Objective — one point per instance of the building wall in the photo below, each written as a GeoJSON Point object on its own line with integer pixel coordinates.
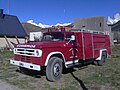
{"type": "Point", "coordinates": [93, 23]}
{"type": "Point", "coordinates": [116, 31]}
{"type": "Point", "coordinates": [5, 45]}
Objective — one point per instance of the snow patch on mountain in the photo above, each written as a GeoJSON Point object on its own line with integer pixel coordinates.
{"type": "Point", "coordinates": [113, 20]}
{"type": "Point", "coordinates": [32, 22]}
{"type": "Point", "coordinates": [64, 24]}
{"type": "Point", "coordinates": [46, 26]}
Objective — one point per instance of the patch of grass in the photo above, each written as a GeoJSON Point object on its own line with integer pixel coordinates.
{"type": "Point", "coordinates": [108, 74]}
{"type": "Point", "coordinates": [9, 74]}
{"type": "Point", "coordinates": [6, 54]}
{"type": "Point", "coordinates": [21, 83]}
{"type": "Point", "coordinates": [71, 87]}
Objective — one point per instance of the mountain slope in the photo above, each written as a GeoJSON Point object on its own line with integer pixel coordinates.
{"type": "Point", "coordinates": [46, 26]}
{"type": "Point", "coordinates": [113, 20]}
{"type": "Point", "coordinates": [32, 28]}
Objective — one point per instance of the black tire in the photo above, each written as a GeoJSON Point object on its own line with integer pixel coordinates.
{"type": "Point", "coordinates": [54, 69]}
{"type": "Point", "coordinates": [103, 59]}
{"type": "Point", "coordinates": [95, 62]}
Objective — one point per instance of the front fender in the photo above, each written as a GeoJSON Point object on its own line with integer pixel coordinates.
{"type": "Point", "coordinates": [51, 54]}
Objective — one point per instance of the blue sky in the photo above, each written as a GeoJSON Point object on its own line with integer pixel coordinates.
{"type": "Point", "coordinates": [60, 11]}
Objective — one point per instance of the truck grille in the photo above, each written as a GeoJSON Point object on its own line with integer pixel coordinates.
{"type": "Point", "coordinates": [25, 58]}
{"type": "Point", "coordinates": [28, 52]}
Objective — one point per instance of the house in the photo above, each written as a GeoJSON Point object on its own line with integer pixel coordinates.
{"type": "Point", "coordinates": [115, 28]}
{"type": "Point", "coordinates": [11, 30]}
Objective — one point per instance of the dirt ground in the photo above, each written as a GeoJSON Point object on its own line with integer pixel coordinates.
{"type": "Point", "coordinates": [6, 86]}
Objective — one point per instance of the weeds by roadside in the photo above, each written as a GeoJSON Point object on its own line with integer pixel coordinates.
{"type": "Point", "coordinates": [5, 54]}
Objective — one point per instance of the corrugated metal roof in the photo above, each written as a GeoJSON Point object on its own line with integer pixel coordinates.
{"type": "Point", "coordinates": [11, 26]}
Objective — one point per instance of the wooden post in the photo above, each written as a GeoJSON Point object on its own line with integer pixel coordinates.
{"type": "Point", "coordinates": [26, 39]}
{"type": "Point", "coordinates": [17, 39]}
{"type": "Point", "coordinates": [7, 41]}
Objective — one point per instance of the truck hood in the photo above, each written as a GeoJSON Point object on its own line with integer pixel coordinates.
{"type": "Point", "coordinates": [45, 44]}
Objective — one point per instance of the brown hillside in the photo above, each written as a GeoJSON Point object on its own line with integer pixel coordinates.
{"type": "Point", "coordinates": [32, 28]}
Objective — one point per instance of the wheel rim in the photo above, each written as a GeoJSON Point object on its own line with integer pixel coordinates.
{"type": "Point", "coordinates": [56, 69]}
{"type": "Point", "coordinates": [103, 58]}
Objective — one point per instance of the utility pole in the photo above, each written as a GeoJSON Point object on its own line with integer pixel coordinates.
{"type": "Point", "coordinates": [64, 15]}
{"type": "Point", "coordinates": [8, 6]}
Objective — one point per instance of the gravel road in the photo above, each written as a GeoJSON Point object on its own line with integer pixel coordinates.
{"type": "Point", "coordinates": [6, 86]}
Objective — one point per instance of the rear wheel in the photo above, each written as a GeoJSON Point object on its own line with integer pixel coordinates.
{"type": "Point", "coordinates": [54, 69]}
{"type": "Point", "coordinates": [103, 59]}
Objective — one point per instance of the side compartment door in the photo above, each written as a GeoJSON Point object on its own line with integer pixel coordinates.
{"type": "Point", "coordinates": [87, 46]}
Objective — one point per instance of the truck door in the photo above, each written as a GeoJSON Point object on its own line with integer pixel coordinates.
{"type": "Point", "coordinates": [69, 48]}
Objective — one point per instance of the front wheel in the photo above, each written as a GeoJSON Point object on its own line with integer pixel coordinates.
{"type": "Point", "coordinates": [54, 69]}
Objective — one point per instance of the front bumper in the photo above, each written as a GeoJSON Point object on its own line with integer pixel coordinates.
{"type": "Point", "coordinates": [26, 65]}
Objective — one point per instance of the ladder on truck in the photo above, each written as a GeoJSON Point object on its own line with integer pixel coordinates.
{"type": "Point", "coordinates": [90, 31]}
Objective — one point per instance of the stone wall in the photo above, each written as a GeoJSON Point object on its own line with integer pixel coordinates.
{"type": "Point", "coordinates": [4, 44]}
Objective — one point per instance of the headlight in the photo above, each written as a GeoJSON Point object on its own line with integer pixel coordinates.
{"type": "Point", "coordinates": [38, 53]}
{"type": "Point", "coordinates": [14, 50]}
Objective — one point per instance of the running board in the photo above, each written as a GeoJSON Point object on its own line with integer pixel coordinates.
{"type": "Point", "coordinates": [73, 65]}
{"type": "Point", "coordinates": [80, 63]}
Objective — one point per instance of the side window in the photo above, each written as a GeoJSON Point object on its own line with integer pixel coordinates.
{"type": "Point", "coordinates": [48, 37]}
{"type": "Point", "coordinates": [100, 24]}
{"type": "Point", "coordinates": [68, 37]}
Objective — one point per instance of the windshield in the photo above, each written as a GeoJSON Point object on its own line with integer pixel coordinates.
{"type": "Point", "coordinates": [53, 36]}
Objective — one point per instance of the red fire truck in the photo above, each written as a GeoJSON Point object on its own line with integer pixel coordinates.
{"type": "Point", "coordinates": [62, 49]}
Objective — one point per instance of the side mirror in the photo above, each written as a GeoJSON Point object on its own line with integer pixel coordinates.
{"type": "Point", "coordinates": [71, 39]}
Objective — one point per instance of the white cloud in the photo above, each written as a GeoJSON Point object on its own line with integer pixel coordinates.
{"type": "Point", "coordinates": [114, 20]}
{"type": "Point", "coordinates": [46, 26]}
